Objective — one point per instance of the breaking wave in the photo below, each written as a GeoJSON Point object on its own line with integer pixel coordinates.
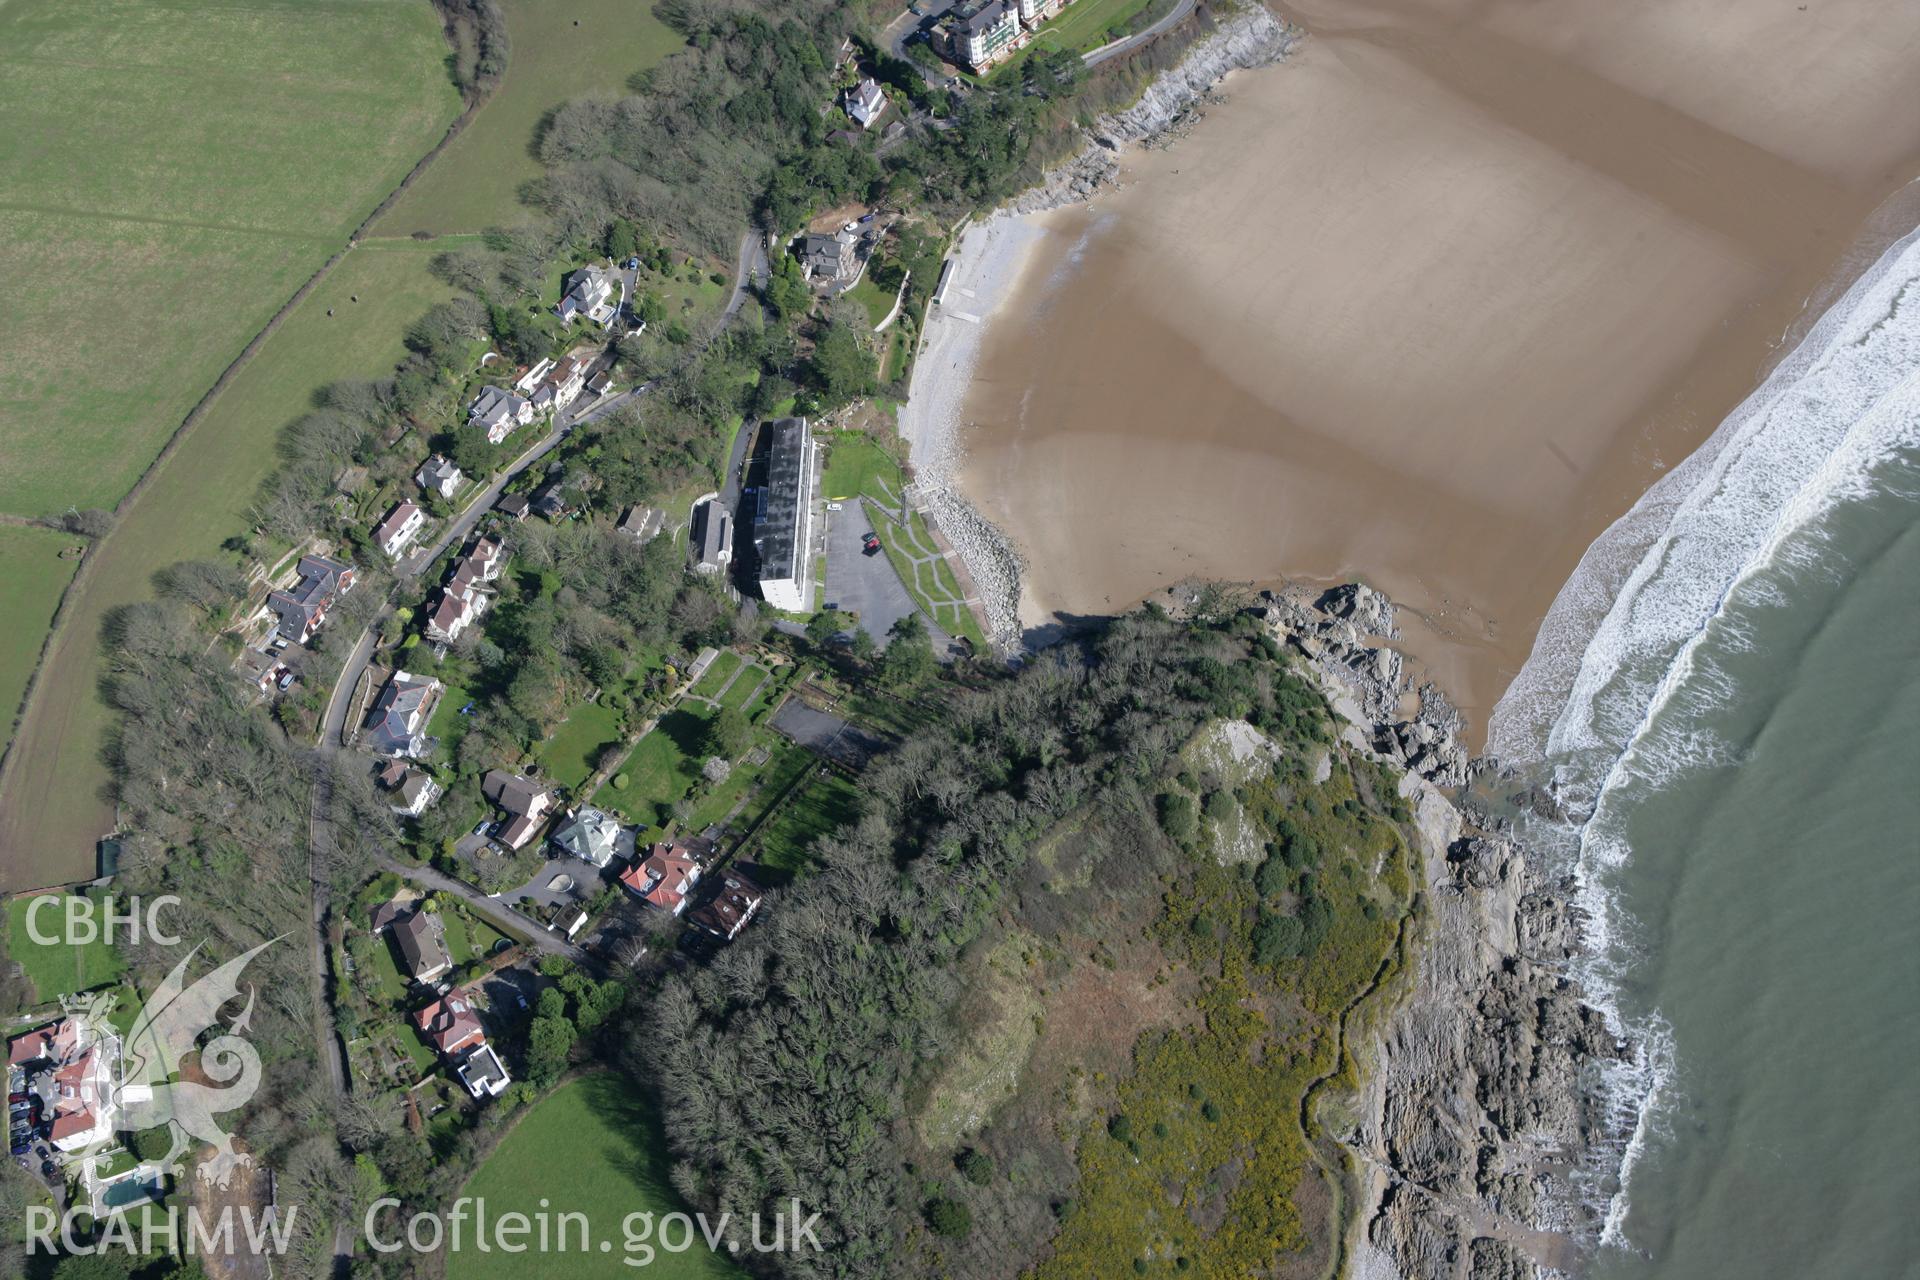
{"type": "Point", "coordinates": [1614, 699]}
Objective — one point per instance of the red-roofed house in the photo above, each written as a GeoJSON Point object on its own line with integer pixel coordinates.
{"type": "Point", "coordinates": [728, 914]}
{"type": "Point", "coordinates": [451, 1024]}
{"type": "Point", "coordinates": [663, 878]}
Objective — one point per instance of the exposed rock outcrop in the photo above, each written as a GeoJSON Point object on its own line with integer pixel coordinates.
{"type": "Point", "coordinates": [1475, 1103]}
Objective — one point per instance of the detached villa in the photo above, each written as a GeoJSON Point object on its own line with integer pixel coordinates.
{"type": "Point", "coordinates": [71, 1067]}
{"type": "Point", "coordinates": [592, 292]}
{"type": "Point", "coordinates": [397, 726]}
{"type": "Point", "coordinates": [591, 835]}
{"type": "Point", "coordinates": [785, 535]}
{"type": "Point", "coordinates": [724, 917]}
{"type": "Point", "coordinates": [526, 802]}
{"type": "Point", "coordinates": [302, 607]}
{"type": "Point", "coordinates": [422, 940]}
{"type": "Point", "coordinates": [498, 412]}
{"type": "Point", "coordinates": [452, 1026]}
{"type": "Point", "coordinates": [663, 878]}
{"type": "Point", "coordinates": [437, 475]}
{"type": "Point", "coordinates": [866, 102]}
{"type": "Point", "coordinates": [403, 524]}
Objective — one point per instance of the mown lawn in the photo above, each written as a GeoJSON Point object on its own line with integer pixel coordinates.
{"type": "Point", "coordinates": [819, 808]}
{"type": "Point", "coordinates": [57, 969]}
{"type": "Point", "coordinates": [32, 576]}
{"type": "Point", "coordinates": [593, 1146]}
{"type": "Point", "coordinates": [569, 755]}
{"type": "Point", "coordinates": [199, 497]}
{"type": "Point", "coordinates": [715, 677]}
{"type": "Point", "coordinates": [856, 464]}
{"type": "Point", "coordinates": [876, 300]}
{"type": "Point", "coordinates": [558, 52]}
{"type": "Point", "coordinates": [172, 173]}
{"type": "Point", "coordinates": [660, 769]}
{"type": "Point", "coordinates": [786, 760]}
{"type": "Point", "coordinates": [744, 686]}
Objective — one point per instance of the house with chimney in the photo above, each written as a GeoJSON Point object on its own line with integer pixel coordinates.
{"type": "Point", "coordinates": [738, 901]}
{"type": "Point", "coordinates": [592, 293]}
{"type": "Point", "coordinates": [865, 102]}
{"type": "Point", "coordinates": [979, 33]}
{"type": "Point", "coordinates": [302, 607]}
{"type": "Point", "coordinates": [592, 835]}
{"type": "Point", "coordinates": [525, 801]}
{"type": "Point", "coordinates": [397, 724]}
{"type": "Point", "coordinates": [664, 877]}
{"type": "Point", "coordinates": [421, 940]}
{"type": "Point", "coordinates": [498, 412]}
{"type": "Point", "coordinates": [402, 525]}
{"type": "Point", "coordinates": [437, 475]}
{"type": "Point", "coordinates": [410, 791]}
{"type": "Point", "coordinates": [70, 1068]}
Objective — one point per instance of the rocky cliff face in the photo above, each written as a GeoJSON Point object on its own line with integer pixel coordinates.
{"type": "Point", "coordinates": [1475, 1105]}
{"type": "Point", "coordinates": [1252, 37]}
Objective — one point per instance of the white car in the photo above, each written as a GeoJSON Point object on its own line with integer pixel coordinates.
{"type": "Point", "coordinates": [836, 506]}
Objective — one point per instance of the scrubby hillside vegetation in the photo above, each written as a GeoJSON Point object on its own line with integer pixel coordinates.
{"type": "Point", "coordinates": [1061, 993]}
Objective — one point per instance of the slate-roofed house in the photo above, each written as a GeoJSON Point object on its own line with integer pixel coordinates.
{"type": "Point", "coordinates": [498, 412]}
{"type": "Point", "coordinates": [712, 536]}
{"type": "Point", "coordinates": [642, 523]}
{"type": "Point", "coordinates": [526, 802]}
{"type": "Point", "coordinates": [866, 102]}
{"type": "Point", "coordinates": [397, 726]}
{"type": "Point", "coordinates": [569, 378]}
{"type": "Point", "coordinates": [728, 913]}
{"type": "Point", "coordinates": [593, 292]}
{"type": "Point", "coordinates": [302, 607]}
{"type": "Point", "coordinates": [401, 526]}
{"type": "Point", "coordinates": [437, 475]}
{"type": "Point", "coordinates": [831, 257]}
{"type": "Point", "coordinates": [513, 506]}
{"type": "Point", "coordinates": [784, 536]}
{"type": "Point", "coordinates": [413, 791]}
{"type": "Point", "coordinates": [592, 835]}
{"type": "Point", "coordinates": [422, 941]}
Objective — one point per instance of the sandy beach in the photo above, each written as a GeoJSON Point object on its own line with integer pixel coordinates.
{"type": "Point", "coordinates": [1429, 304]}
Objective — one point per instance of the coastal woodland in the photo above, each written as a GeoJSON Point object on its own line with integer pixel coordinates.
{"type": "Point", "coordinates": [1067, 996]}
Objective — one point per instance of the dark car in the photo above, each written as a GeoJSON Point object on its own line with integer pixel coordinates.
{"type": "Point", "coordinates": [870, 545]}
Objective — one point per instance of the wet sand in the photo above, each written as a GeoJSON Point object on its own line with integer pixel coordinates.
{"type": "Point", "coordinates": [1432, 303]}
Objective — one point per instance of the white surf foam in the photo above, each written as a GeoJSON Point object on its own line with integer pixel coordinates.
{"type": "Point", "coordinates": [1612, 697]}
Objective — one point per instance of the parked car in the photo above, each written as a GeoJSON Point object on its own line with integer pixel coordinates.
{"type": "Point", "coordinates": [836, 506]}
{"type": "Point", "coordinates": [870, 545]}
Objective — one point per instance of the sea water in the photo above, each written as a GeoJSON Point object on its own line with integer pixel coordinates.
{"type": "Point", "coordinates": [1727, 700]}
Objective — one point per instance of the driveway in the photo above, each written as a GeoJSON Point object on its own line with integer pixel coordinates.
{"type": "Point", "coordinates": [538, 936]}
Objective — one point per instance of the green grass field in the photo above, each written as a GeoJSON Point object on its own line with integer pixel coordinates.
{"type": "Point", "coordinates": [592, 1146]}
{"type": "Point", "coordinates": [172, 173]}
{"type": "Point", "coordinates": [197, 499]}
{"type": "Point", "coordinates": [32, 576]}
{"type": "Point", "coordinates": [856, 464]}
{"type": "Point", "coordinates": [570, 754]}
{"type": "Point", "coordinates": [57, 969]}
{"type": "Point", "coordinates": [715, 677]}
{"type": "Point", "coordinates": [786, 760]}
{"type": "Point", "coordinates": [743, 687]}
{"type": "Point", "coordinates": [558, 52]}
{"type": "Point", "coordinates": [821, 806]}
{"type": "Point", "coordinates": [660, 769]}
{"type": "Point", "coordinates": [876, 300]}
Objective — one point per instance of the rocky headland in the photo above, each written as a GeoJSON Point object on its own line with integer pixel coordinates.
{"type": "Point", "coordinates": [1477, 1101]}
